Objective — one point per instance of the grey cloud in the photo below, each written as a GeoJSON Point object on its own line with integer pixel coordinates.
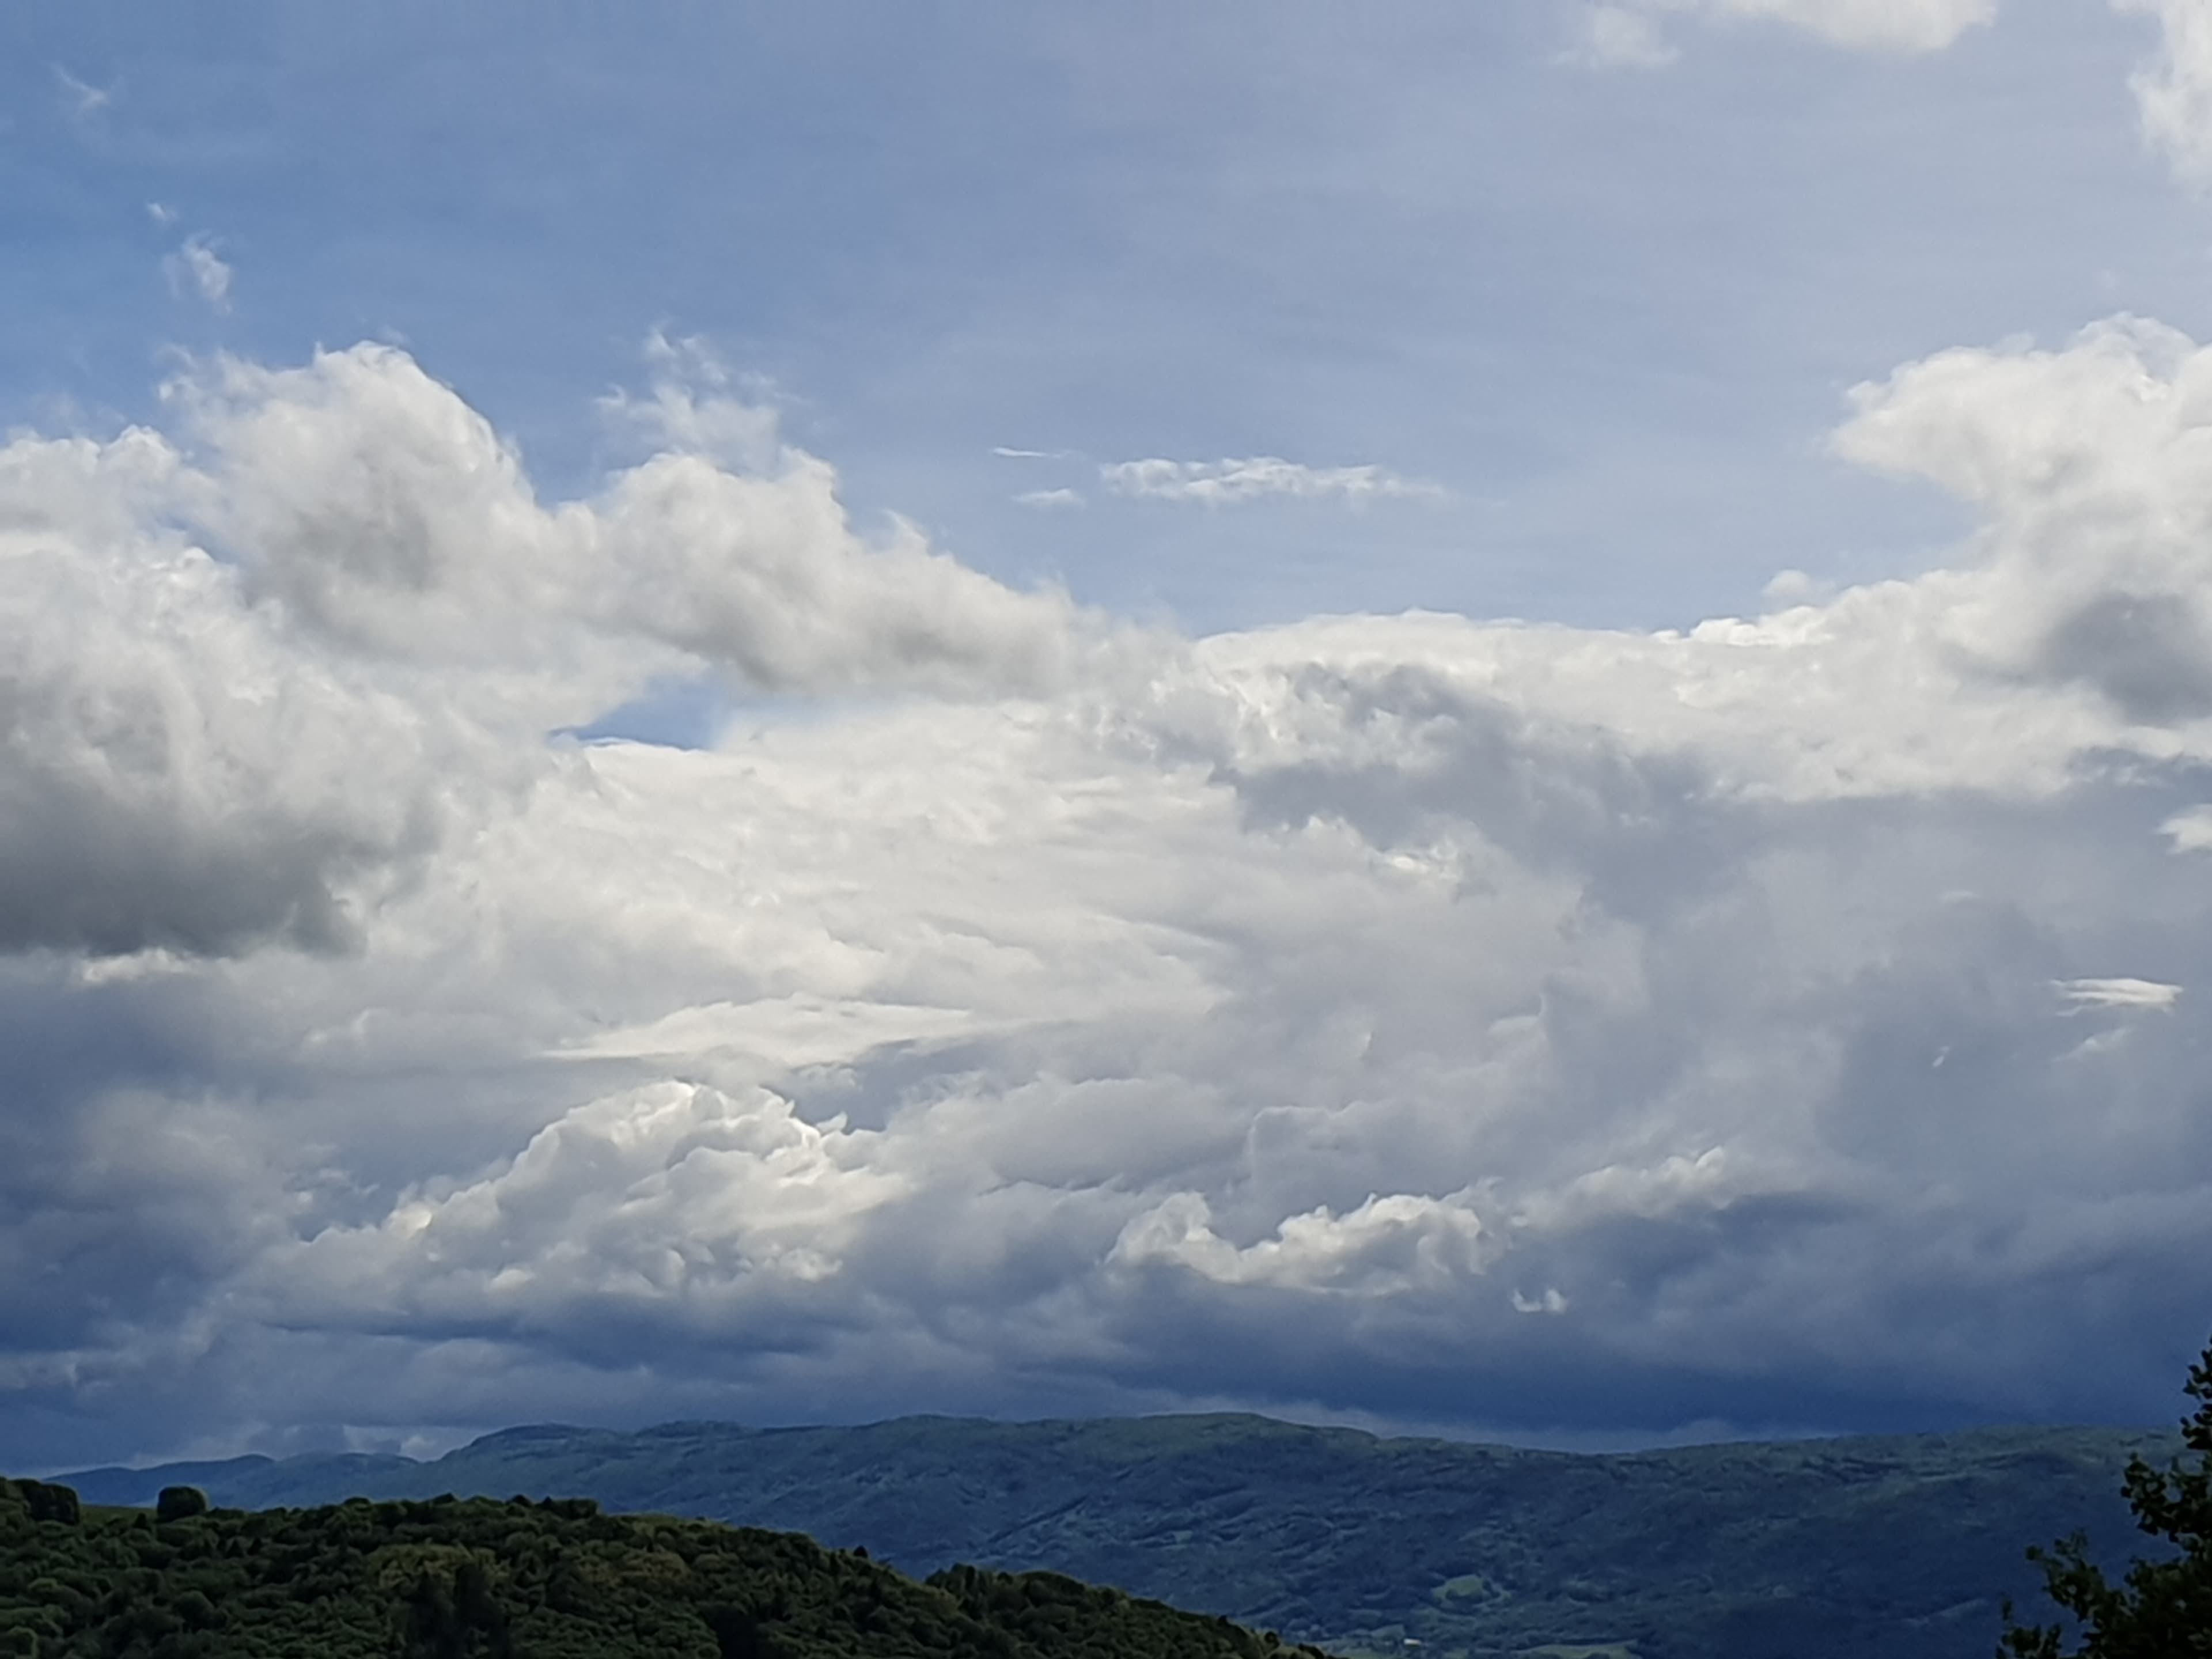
{"type": "Point", "coordinates": [2148, 653]}
{"type": "Point", "coordinates": [1424, 754]}
{"type": "Point", "coordinates": [118, 862]}
{"type": "Point", "coordinates": [1724, 1152]}
{"type": "Point", "coordinates": [169, 777]}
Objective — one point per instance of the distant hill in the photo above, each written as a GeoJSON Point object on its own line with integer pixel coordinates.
{"type": "Point", "coordinates": [483, 1579]}
{"type": "Point", "coordinates": [1836, 1549]}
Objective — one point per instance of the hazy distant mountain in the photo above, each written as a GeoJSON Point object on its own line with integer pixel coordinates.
{"type": "Point", "coordinates": [1901, 1546]}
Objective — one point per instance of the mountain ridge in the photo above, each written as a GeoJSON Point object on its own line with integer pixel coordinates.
{"type": "Point", "coordinates": [1900, 1544]}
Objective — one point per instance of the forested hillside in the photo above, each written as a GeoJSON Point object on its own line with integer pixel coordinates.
{"type": "Point", "coordinates": [452, 1579]}
{"type": "Point", "coordinates": [1830, 1549]}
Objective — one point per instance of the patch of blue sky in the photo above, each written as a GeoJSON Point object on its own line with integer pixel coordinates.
{"type": "Point", "coordinates": [676, 713]}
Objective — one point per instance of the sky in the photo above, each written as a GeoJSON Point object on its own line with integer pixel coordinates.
{"type": "Point", "coordinates": [1487, 718]}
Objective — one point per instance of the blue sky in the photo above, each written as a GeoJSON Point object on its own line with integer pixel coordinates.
{"type": "Point", "coordinates": [967, 472]}
{"type": "Point", "coordinates": [1612, 314]}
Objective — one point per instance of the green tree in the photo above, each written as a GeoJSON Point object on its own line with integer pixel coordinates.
{"type": "Point", "coordinates": [48, 1502]}
{"type": "Point", "coordinates": [180, 1502]}
{"type": "Point", "coordinates": [2162, 1608]}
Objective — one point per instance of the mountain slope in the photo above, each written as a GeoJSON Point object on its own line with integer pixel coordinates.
{"type": "Point", "coordinates": [1817, 1550]}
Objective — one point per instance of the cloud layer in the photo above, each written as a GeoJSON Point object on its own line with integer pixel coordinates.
{"type": "Point", "coordinates": [1781, 1022]}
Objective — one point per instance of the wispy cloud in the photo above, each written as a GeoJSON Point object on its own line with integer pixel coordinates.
{"type": "Point", "coordinates": [1626, 33]}
{"type": "Point", "coordinates": [1616, 37]}
{"type": "Point", "coordinates": [2174, 91]}
{"type": "Point", "coordinates": [1050, 498]}
{"type": "Point", "coordinates": [1006, 451]}
{"type": "Point", "coordinates": [1226, 483]}
{"type": "Point", "coordinates": [1900, 26]}
{"type": "Point", "coordinates": [196, 268]}
{"type": "Point", "coordinates": [2082, 994]}
{"type": "Point", "coordinates": [83, 98]}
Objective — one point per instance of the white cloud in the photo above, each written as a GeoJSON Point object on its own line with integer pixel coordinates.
{"type": "Point", "coordinates": [1049, 498]}
{"type": "Point", "coordinates": [2191, 831]}
{"type": "Point", "coordinates": [2174, 92]}
{"type": "Point", "coordinates": [1232, 481]}
{"type": "Point", "coordinates": [2087, 994]}
{"type": "Point", "coordinates": [1385, 1246]}
{"type": "Point", "coordinates": [199, 750]}
{"type": "Point", "coordinates": [2092, 465]}
{"type": "Point", "coordinates": [1348, 990]}
{"type": "Point", "coordinates": [691, 408]}
{"type": "Point", "coordinates": [666, 1195]}
{"type": "Point", "coordinates": [379, 510]}
{"type": "Point", "coordinates": [196, 268]}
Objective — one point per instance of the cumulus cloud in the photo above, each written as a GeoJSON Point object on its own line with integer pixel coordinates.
{"type": "Point", "coordinates": [667, 1196]}
{"type": "Point", "coordinates": [1217, 483]}
{"type": "Point", "coordinates": [2091, 462]}
{"type": "Point", "coordinates": [250, 679]}
{"type": "Point", "coordinates": [381, 512]}
{"type": "Point", "coordinates": [1773, 1006]}
{"type": "Point", "coordinates": [1388, 1246]}
{"type": "Point", "coordinates": [169, 776]}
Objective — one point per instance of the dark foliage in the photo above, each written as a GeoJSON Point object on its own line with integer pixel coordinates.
{"type": "Point", "coordinates": [2161, 1608]}
{"type": "Point", "coordinates": [477, 1578]}
{"type": "Point", "coordinates": [46, 1503]}
{"type": "Point", "coordinates": [180, 1502]}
